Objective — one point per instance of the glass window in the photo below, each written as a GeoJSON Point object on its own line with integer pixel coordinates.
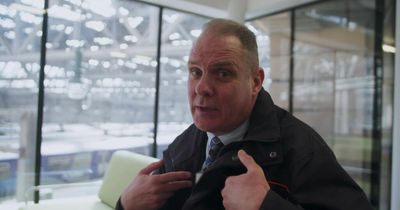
{"type": "Point", "coordinates": [179, 32]}
{"type": "Point", "coordinates": [334, 79]}
{"type": "Point", "coordinates": [99, 87]}
{"type": "Point", "coordinates": [20, 38]}
{"type": "Point", "coordinates": [273, 39]}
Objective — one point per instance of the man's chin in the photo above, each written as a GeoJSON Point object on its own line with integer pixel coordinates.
{"type": "Point", "coordinates": [206, 127]}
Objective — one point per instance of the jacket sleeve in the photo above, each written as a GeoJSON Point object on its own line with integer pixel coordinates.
{"type": "Point", "coordinates": [318, 182]}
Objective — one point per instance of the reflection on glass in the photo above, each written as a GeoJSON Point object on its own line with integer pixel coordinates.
{"type": "Point", "coordinates": [20, 35]}
{"type": "Point", "coordinates": [334, 81]}
{"type": "Point", "coordinates": [99, 86]}
{"type": "Point", "coordinates": [273, 39]}
{"type": "Point", "coordinates": [179, 32]}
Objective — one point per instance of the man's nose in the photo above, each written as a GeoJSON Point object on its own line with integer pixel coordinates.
{"type": "Point", "coordinates": [204, 86]}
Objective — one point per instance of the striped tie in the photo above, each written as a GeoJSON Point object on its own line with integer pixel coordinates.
{"type": "Point", "coordinates": [215, 146]}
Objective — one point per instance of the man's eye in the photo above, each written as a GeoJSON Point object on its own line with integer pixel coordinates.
{"type": "Point", "coordinates": [224, 73]}
{"type": "Point", "coordinates": [195, 72]}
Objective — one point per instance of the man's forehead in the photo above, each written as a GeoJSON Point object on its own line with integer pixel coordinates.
{"type": "Point", "coordinates": [206, 46]}
{"type": "Point", "coordinates": [218, 56]}
{"type": "Point", "coordinates": [209, 37]}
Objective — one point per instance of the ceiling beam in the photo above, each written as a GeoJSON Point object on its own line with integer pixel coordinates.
{"type": "Point", "coordinates": [104, 54]}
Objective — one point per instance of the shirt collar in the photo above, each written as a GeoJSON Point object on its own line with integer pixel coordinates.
{"type": "Point", "coordinates": [233, 136]}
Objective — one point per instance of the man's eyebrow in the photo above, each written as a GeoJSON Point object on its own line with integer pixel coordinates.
{"type": "Point", "coordinates": [192, 62]}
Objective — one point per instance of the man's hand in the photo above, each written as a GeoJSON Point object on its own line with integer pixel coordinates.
{"type": "Point", "coordinates": [246, 191]}
{"type": "Point", "coordinates": [147, 192]}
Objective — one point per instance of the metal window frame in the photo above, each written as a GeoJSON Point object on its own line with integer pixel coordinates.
{"type": "Point", "coordinates": [291, 59]}
{"type": "Point", "coordinates": [395, 189]}
{"type": "Point", "coordinates": [157, 93]}
{"type": "Point", "coordinates": [376, 153]}
{"type": "Point", "coordinates": [38, 156]}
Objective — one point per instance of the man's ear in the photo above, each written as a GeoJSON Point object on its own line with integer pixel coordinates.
{"type": "Point", "coordinates": [258, 79]}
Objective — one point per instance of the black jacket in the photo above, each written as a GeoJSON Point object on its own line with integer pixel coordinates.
{"type": "Point", "coordinates": [301, 169]}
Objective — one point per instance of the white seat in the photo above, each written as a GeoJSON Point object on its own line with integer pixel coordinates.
{"type": "Point", "coordinates": [123, 167]}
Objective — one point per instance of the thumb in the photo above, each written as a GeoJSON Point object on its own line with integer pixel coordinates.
{"type": "Point", "coordinates": [247, 160]}
{"type": "Point", "coordinates": [151, 167]}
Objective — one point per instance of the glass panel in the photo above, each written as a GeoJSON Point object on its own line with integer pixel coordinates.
{"type": "Point", "coordinates": [334, 80]}
{"type": "Point", "coordinates": [179, 32]}
{"type": "Point", "coordinates": [20, 38]}
{"type": "Point", "coordinates": [99, 86]}
{"type": "Point", "coordinates": [273, 39]}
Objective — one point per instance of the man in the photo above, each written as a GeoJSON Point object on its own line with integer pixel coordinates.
{"type": "Point", "coordinates": [242, 152]}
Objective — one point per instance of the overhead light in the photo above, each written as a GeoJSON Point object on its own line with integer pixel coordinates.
{"type": "Point", "coordinates": [93, 62]}
{"type": "Point", "coordinates": [68, 30]}
{"type": "Point", "coordinates": [123, 11]}
{"type": "Point", "coordinates": [131, 38]}
{"type": "Point", "coordinates": [195, 33]}
{"type": "Point", "coordinates": [135, 21]}
{"type": "Point", "coordinates": [171, 18]}
{"type": "Point", "coordinates": [95, 25]}
{"type": "Point", "coordinates": [182, 42]}
{"type": "Point", "coordinates": [143, 60]}
{"type": "Point", "coordinates": [74, 42]}
{"type": "Point", "coordinates": [175, 63]}
{"type": "Point", "coordinates": [94, 48]}
{"type": "Point", "coordinates": [7, 23]}
{"type": "Point", "coordinates": [64, 13]}
{"type": "Point", "coordinates": [103, 40]}
{"type": "Point", "coordinates": [388, 48]}
{"type": "Point", "coordinates": [123, 46]}
{"type": "Point", "coordinates": [174, 36]}
{"type": "Point", "coordinates": [10, 34]}
{"type": "Point", "coordinates": [7, 11]}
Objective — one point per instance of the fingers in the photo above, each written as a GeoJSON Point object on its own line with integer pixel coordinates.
{"type": "Point", "coordinates": [177, 185]}
{"type": "Point", "coordinates": [173, 181]}
{"type": "Point", "coordinates": [173, 176]}
{"type": "Point", "coordinates": [150, 168]}
{"type": "Point", "coordinates": [164, 195]}
{"type": "Point", "coordinates": [247, 160]}
{"type": "Point", "coordinates": [247, 190]}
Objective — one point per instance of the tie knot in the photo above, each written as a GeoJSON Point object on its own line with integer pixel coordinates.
{"type": "Point", "coordinates": [215, 146]}
{"type": "Point", "coordinates": [215, 142]}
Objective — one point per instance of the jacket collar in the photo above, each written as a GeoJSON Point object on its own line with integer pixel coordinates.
{"type": "Point", "coordinates": [263, 127]}
{"type": "Point", "coordinates": [264, 123]}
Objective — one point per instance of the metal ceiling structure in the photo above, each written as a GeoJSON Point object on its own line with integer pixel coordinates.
{"type": "Point", "coordinates": [229, 8]}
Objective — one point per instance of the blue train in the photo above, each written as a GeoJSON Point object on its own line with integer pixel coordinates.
{"type": "Point", "coordinates": [60, 168]}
